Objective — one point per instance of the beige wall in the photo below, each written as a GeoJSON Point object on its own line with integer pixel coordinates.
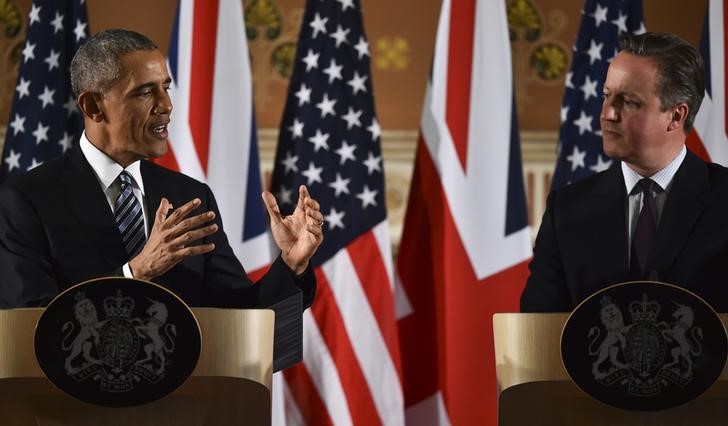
{"type": "Point", "coordinates": [401, 35]}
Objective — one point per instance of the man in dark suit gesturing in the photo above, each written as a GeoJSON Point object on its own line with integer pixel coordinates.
{"type": "Point", "coordinates": [662, 214]}
{"type": "Point", "coordinates": [101, 210]}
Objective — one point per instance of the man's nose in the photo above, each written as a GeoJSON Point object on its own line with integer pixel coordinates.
{"type": "Point", "coordinates": [609, 112]}
{"type": "Point", "coordinates": [164, 104]}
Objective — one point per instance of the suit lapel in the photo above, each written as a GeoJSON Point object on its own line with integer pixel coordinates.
{"type": "Point", "coordinates": [152, 191]}
{"type": "Point", "coordinates": [610, 203]}
{"type": "Point", "coordinates": [89, 205]}
{"type": "Point", "coordinates": [683, 206]}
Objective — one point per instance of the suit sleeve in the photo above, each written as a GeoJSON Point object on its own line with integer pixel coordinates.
{"type": "Point", "coordinates": [546, 289]}
{"type": "Point", "coordinates": [25, 266]}
{"type": "Point", "coordinates": [228, 283]}
{"type": "Point", "coordinates": [28, 272]}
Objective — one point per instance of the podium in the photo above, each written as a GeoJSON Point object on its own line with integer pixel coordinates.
{"type": "Point", "coordinates": [534, 388]}
{"type": "Point", "coordinates": [230, 385]}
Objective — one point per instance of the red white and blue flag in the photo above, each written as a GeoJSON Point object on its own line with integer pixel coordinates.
{"type": "Point", "coordinates": [330, 141]}
{"type": "Point", "coordinates": [580, 152]}
{"type": "Point", "coordinates": [44, 121]}
{"type": "Point", "coordinates": [212, 135]}
{"type": "Point", "coordinates": [466, 241]}
{"type": "Point", "coordinates": [709, 139]}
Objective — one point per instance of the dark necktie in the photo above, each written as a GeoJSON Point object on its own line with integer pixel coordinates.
{"type": "Point", "coordinates": [129, 217]}
{"type": "Point", "coordinates": [645, 232]}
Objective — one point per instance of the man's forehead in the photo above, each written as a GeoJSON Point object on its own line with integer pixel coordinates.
{"type": "Point", "coordinates": [143, 67]}
{"type": "Point", "coordinates": [143, 60]}
{"type": "Point", "coordinates": [630, 73]}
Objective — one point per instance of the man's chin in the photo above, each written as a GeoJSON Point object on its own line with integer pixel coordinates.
{"type": "Point", "coordinates": [158, 148]}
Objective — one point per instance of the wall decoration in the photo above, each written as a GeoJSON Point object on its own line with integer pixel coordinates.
{"type": "Point", "coordinates": [391, 53]}
{"type": "Point", "coordinates": [282, 58]}
{"type": "Point", "coordinates": [263, 14]}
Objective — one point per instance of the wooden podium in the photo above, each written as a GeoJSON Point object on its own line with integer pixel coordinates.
{"type": "Point", "coordinates": [230, 385]}
{"type": "Point", "coordinates": [534, 388]}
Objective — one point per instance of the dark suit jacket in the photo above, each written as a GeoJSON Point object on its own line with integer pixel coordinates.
{"type": "Point", "coordinates": [56, 230]}
{"type": "Point", "coordinates": [582, 245]}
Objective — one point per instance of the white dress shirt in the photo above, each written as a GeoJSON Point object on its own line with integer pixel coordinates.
{"type": "Point", "coordinates": [663, 182]}
{"type": "Point", "coordinates": [107, 172]}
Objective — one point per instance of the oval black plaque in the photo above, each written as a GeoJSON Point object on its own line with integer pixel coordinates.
{"type": "Point", "coordinates": [117, 342]}
{"type": "Point", "coordinates": [644, 346]}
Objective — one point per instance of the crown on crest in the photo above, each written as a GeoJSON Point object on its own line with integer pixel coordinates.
{"type": "Point", "coordinates": [119, 307]}
{"type": "Point", "coordinates": [644, 310]}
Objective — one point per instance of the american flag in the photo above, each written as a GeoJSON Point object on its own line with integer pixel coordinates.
{"type": "Point", "coordinates": [44, 121]}
{"type": "Point", "coordinates": [466, 241]}
{"type": "Point", "coordinates": [580, 151]}
{"type": "Point", "coordinates": [709, 138]}
{"type": "Point", "coordinates": [330, 141]}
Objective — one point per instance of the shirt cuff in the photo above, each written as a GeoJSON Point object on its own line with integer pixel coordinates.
{"type": "Point", "coordinates": [126, 269]}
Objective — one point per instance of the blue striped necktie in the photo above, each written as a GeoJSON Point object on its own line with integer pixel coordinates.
{"type": "Point", "coordinates": [129, 217]}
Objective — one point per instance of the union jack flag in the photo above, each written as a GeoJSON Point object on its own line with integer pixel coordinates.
{"type": "Point", "coordinates": [580, 152]}
{"type": "Point", "coordinates": [44, 120]}
{"type": "Point", "coordinates": [330, 141]}
{"type": "Point", "coordinates": [212, 134]}
{"type": "Point", "coordinates": [709, 138]}
{"type": "Point", "coordinates": [466, 240]}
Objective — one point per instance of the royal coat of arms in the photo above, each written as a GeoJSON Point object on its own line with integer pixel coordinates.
{"type": "Point", "coordinates": [644, 345]}
{"type": "Point", "coordinates": [647, 354]}
{"type": "Point", "coordinates": [119, 349]}
{"type": "Point", "coordinates": [117, 342]}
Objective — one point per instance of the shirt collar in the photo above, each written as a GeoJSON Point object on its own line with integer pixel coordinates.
{"type": "Point", "coordinates": [106, 169]}
{"type": "Point", "coordinates": [662, 178]}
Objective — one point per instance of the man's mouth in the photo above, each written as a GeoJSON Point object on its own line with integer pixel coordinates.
{"type": "Point", "coordinates": [160, 130]}
{"type": "Point", "coordinates": [611, 133]}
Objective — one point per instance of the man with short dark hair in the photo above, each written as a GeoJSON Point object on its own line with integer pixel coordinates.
{"type": "Point", "coordinates": [661, 214]}
{"type": "Point", "coordinates": [101, 210]}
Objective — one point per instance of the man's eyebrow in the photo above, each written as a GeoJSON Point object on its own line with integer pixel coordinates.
{"type": "Point", "coordinates": [622, 93]}
{"type": "Point", "coordinates": [149, 84]}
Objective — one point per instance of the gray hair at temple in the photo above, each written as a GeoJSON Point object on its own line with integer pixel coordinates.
{"type": "Point", "coordinates": [96, 65]}
{"type": "Point", "coordinates": [681, 73]}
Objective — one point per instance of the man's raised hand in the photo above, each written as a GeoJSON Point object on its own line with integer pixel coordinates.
{"type": "Point", "coordinates": [172, 239]}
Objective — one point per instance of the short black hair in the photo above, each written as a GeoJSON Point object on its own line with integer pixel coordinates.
{"type": "Point", "coordinates": [96, 65]}
{"type": "Point", "coordinates": [680, 69]}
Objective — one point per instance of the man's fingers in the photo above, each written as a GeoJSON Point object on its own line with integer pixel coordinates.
{"type": "Point", "coordinates": [191, 236]}
{"type": "Point", "coordinates": [191, 223]}
{"type": "Point", "coordinates": [272, 206]}
{"type": "Point", "coordinates": [195, 250]}
{"type": "Point", "coordinates": [162, 210]}
{"type": "Point", "coordinates": [303, 195]}
{"type": "Point", "coordinates": [312, 204]}
{"type": "Point", "coordinates": [315, 217]}
{"type": "Point", "coordinates": [178, 215]}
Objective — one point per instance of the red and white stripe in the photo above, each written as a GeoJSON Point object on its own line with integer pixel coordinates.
{"type": "Point", "coordinates": [350, 372]}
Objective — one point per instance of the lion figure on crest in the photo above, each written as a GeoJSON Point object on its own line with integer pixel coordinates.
{"type": "Point", "coordinates": [87, 336]}
{"type": "Point", "coordinates": [613, 322]}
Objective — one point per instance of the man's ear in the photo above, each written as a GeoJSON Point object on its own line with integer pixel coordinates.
{"type": "Point", "coordinates": [679, 114]}
{"type": "Point", "coordinates": [90, 105]}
